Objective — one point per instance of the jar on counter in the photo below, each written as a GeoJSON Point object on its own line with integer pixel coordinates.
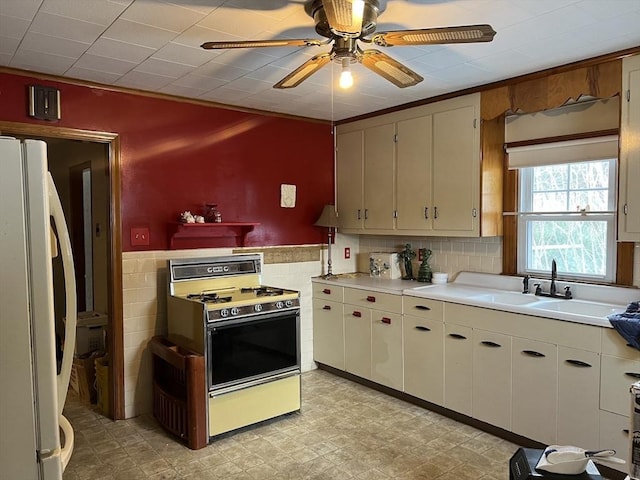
{"type": "Point", "coordinates": [212, 214]}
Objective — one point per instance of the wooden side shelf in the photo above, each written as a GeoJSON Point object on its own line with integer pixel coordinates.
{"type": "Point", "coordinates": [208, 235]}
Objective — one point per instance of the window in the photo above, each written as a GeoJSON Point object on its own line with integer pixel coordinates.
{"type": "Point", "coordinates": [567, 213]}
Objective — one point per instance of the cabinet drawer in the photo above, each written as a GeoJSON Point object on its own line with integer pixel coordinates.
{"type": "Point", "coordinates": [328, 292]}
{"type": "Point", "coordinates": [613, 344]}
{"type": "Point", "coordinates": [375, 300]}
{"type": "Point", "coordinates": [423, 308]}
{"type": "Point", "coordinates": [617, 375]}
{"type": "Point", "coordinates": [614, 433]}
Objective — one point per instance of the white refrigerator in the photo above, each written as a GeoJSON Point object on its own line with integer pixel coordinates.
{"type": "Point", "coordinates": [32, 393]}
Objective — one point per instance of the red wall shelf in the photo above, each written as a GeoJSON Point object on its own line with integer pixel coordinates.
{"type": "Point", "coordinates": [208, 235]}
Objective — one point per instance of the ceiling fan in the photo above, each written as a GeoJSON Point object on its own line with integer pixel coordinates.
{"type": "Point", "coordinates": [347, 22]}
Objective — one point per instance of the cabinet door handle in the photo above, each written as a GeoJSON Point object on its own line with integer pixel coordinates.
{"type": "Point", "coordinates": [422, 328]}
{"type": "Point", "coordinates": [386, 320]}
{"type": "Point", "coordinates": [426, 213]}
{"type": "Point", "coordinates": [359, 216]}
{"type": "Point", "coordinates": [632, 375]}
{"type": "Point", "coordinates": [327, 291]}
{"type": "Point", "coordinates": [366, 213]}
{"type": "Point", "coordinates": [578, 363]}
{"type": "Point", "coordinates": [457, 336]}
{"type": "Point", "coordinates": [435, 212]}
{"type": "Point", "coordinates": [327, 307]}
{"type": "Point", "coordinates": [533, 353]}
{"type": "Point", "coordinates": [371, 299]}
{"type": "Point", "coordinates": [356, 313]}
{"type": "Point", "coordinates": [423, 307]}
{"type": "Point", "coordinates": [487, 343]}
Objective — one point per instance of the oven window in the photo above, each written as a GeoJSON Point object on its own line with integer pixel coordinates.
{"type": "Point", "coordinates": [254, 347]}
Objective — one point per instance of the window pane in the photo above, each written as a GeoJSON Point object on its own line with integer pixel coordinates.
{"type": "Point", "coordinates": [589, 175]}
{"type": "Point", "coordinates": [579, 247]}
{"type": "Point", "coordinates": [551, 177]}
{"type": "Point", "coordinates": [596, 200]}
{"type": "Point", "coordinates": [549, 202]}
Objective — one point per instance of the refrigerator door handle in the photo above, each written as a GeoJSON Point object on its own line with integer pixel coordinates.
{"type": "Point", "coordinates": [56, 212]}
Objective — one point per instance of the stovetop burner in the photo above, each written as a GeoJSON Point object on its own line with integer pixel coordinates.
{"type": "Point", "coordinates": [263, 291]}
{"type": "Point", "coordinates": [209, 297]}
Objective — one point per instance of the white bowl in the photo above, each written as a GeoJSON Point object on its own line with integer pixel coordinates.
{"type": "Point", "coordinates": [439, 278]}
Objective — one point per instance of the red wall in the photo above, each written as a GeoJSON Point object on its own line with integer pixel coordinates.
{"type": "Point", "coordinates": [178, 156]}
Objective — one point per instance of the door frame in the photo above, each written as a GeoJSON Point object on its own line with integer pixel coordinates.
{"type": "Point", "coordinates": [116, 327]}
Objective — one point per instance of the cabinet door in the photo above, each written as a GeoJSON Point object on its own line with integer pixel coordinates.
{"type": "Point", "coordinates": [492, 378]}
{"type": "Point", "coordinates": [616, 377]}
{"type": "Point", "coordinates": [629, 201]}
{"type": "Point", "coordinates": [578, 397]}
{"type": "Point", "coordinates": [535, 389]}
{"type": "Point", "coordinates": [349, 178]}
{"type": "Point", "coordinates": [328, 333]}
{"type": "Point", "coordinates": [379, 148]}
{"type": "Point", "coordinates": [614, 433]}
{"type": "Point", "coordinates": [386, 349]}
{"type": "Point", "coordinates": [413, 165]}
{"type": "Point", "coordinates": [424, 358]}
{"type": "Point", "coordinates": [458, 368]}
{"type": "Point", "coordinates": [456, 170]}
{"type": "Point", "coordinates": [357, 340]}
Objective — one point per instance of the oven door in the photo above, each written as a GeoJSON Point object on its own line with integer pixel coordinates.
{"type": "Point", "coordinates": [252, 348]}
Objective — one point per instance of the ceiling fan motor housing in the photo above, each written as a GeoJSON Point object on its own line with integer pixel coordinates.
{"type": "Point", "coordinates": [315, 9]}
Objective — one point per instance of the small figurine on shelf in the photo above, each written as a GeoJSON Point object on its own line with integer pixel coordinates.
{"type": "Point", "coordinates": [212, 214]}
{"type": "Point", "coordinates": [407, 255]}
{"type": "Point", "coordinates": [425, 273]}
{"type": "Point", "coordinates": [186, 217]}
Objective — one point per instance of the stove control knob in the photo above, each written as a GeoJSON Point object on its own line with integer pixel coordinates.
{"type": "Point", "coordinates": [257, 308]}
{"type": "Point", "coordinates": [235, 311]}
{"type": "Point", "coordinates": [288, 303]}
{"type": "Point", "coordinates": [279, 305]}
{"type": "Point", "coordinates": [224, 312]}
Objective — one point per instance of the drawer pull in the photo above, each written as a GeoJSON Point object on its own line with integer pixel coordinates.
{"type": "Point", "coordinates": [487, 343]}
{"type": "Point", "coordinates": [327, 291]}
{"type": "Point", "coordinates": [632, 375]}
{"type": "Point", "coordinates": [422, 328]}
{"type": "Point", "coordinates": [327, 307]}
{"type": "Point", "coordinates": [625, 431]}
{"type": "Point", "coordinates": [457, 336]}
{"type": "Point", "coordinates": [371, 298]}
{"type": "Point", "coordinates": [386, 320]}
{"type": "Point", "coordinates": [423, 307]}
{"type": "Point", "coordinates": [533, 353]}
{"type": "Point", "coordinates": [578, 363]}
{"type": "Point", "coordinates": [356, 313]}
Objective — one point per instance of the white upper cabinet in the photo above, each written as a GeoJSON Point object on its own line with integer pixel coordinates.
{"type": "Point", "coordinates": [379, 163]}
{"type": "Point", "coordinates": [349, 178]}
{"type": "Point", "coordinates": [629, 193]}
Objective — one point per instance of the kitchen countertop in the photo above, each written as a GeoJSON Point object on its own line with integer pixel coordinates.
{"type": "Point", "coordinates": [590, 304]}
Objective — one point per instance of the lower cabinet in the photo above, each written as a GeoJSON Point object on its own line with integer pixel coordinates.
{"type": "Point", "coordinates": [357, 340]}
{"type": "Point", "coordinates": [614, 433]}
{"type": "Point", "coordinates": [458, 361]}
{"type": "Point", "coordinates": [424, 358]}
{"type": "Point", "coordinates": [535, 389]}
{"type": "Point", "coordinates": [617, 375]}
{"type": "Point", "coordinates": [328, 333]}
{"type": "Point", "coordinates": [386, 349]}
{"type": "Point", "coordinates": [492, 378]}
{"type": "Point", "coordinates": [578, 398]}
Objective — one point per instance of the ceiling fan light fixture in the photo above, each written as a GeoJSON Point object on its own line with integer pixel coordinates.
{"type": "Point", "coordinates": [346, 78]}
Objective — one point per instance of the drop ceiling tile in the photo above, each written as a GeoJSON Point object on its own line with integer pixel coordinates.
{"type": "Point", "coordinates": [98, 12]}
{"type": "Point", "coordinates": [164, 68]}
{"type": "Point", "coordinates": [25, 9]}
{"type": "Point", "coordinates": [221, 71]}
{"type": "Point", "coordinates": [8, 46]}
{"type": "Point", "coordinates": [148, 81]}
{"type": "Point", "coordinates": [269, 73]}
{"type": "Point", "coordinates": [104, 64]}
{"type": "Point", "coordinates": [5, 58]}
{"type": "Point", "coordinates": [197, 35]}
{"type": "Point", "coordinates": [41, 62]}
{"type": "Point", "coordinates": [251, 85]}
{"type": "Point", "coordinates": [246, 24]}
{"type": "Point", "coordinates": [56, 46]}
{"type": "Point", "coordinates": [174, 52]}
{"type": "Point", "coordinates": [249, 59]}
{"type": "Point", "coordinates": [204, 7]}
{"type": "Point", "coordinates": [92, 75]}
{"type": "Point", "coordinates": [200, 82]}
{"type": "Point", "coordinates": [65, 27]}
{"type": "Point", "coordinates": [106, 47]}
{"type": "Point", "coordinates": [139, 34]}
{"type": "Point", "coordinates": [162, 15]}
{"type": "Point", "coordinates": [224, 94]}
{"type": "Point", "coordinates": [182, 91]}
{"type": "Point", "coordinates": [13, 27]}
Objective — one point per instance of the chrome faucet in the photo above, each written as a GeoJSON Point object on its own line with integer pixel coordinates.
{"type": "Point", "coordinates": [554, 275]}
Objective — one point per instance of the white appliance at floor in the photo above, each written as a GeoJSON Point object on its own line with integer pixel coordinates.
{"type": "Point", "coordinates": [33, 394]}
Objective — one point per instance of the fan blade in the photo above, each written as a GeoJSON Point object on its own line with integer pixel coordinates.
{"type": "Point", "coordinates": [301, 42]}
{"type": "Point", "coordinates": [344, 16]}
{"type": "Point", "coordinates": [304, 71]}
{"type": "Point", "coordinates": [387, 67]}
{"type": "Point", "coordinates": [435, 36]}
